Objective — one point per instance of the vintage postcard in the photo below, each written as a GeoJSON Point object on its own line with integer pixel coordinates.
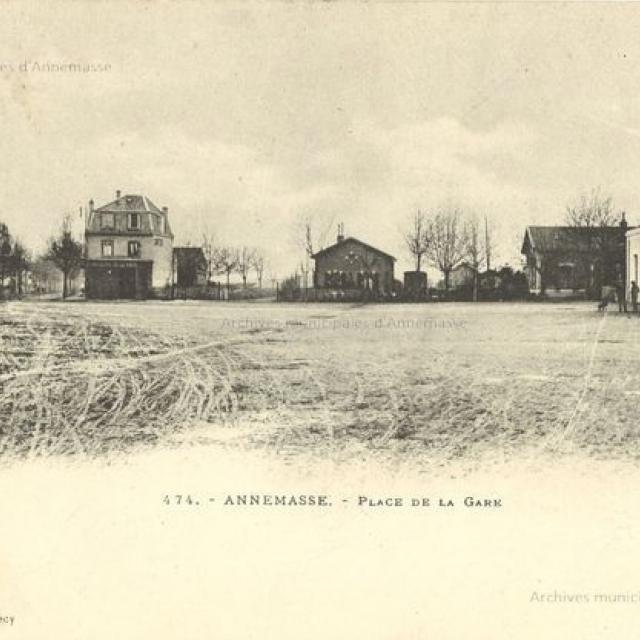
{"type": "Point", "coordinates": [319, 320]}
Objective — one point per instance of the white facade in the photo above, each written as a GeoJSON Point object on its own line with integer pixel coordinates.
{"type": "Point", "coordinates": [157, 249]}
{"type": "Point", "coordinates": [632, 251]}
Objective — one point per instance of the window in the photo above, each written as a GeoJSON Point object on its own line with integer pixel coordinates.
{"type": "Point", "coordinates": [134, 249]}
{"type": "Point", "coordinates": [158, 242]}
{"type": "Point", "coordinates": [107, 248]}
{"type": "Point", "coordinates": [107, 221]}
{"type": "Point", "coordinates": [134, 221]}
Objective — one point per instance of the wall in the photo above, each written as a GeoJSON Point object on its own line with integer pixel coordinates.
{"type": "Point", "coordinates": [336, 260]}
{"type": "Point", "coordinates": [116, 280]}
{"type": "Point", "coordinates": [632, 257]}
{"type": "Point", "coordinates": [161, 255]}
{"type": "Point", "coordinates": [150, 222]}
{"type": "Point", "coordinates": [461, 276]}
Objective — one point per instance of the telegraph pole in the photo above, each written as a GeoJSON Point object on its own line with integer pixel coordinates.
{"type": "Point", "coordinates": [487, 245]}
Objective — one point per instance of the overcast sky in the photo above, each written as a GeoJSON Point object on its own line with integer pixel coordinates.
{"type": "Point", "coordinates": [244, 118]}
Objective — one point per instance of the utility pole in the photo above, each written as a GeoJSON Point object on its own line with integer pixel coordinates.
{"type": "Point", "coordinates": [487, 244]}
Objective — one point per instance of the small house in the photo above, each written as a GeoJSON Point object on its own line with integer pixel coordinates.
{"type": "Point", "coordinates": [190, 267]}
{"type": "Point", "coordinates": [353, 266]}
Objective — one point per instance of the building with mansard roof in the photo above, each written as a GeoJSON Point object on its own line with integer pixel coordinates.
{"type": "Point", "coordinates": [129, 249]}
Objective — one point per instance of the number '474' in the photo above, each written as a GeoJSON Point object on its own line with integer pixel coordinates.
{"type": "Point", "coordinates": [178, 498]}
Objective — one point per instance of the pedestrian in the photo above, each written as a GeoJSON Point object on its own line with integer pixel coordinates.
{"type": "Point", "coordinates": [620, 295]}
{"type": "Point", "coordinates": [634, 295]}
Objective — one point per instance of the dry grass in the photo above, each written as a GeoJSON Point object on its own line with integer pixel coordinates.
{"type": "Point", "coordinates": [429, 382]}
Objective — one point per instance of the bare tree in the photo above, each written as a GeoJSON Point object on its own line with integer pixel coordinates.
{"type": "Point", "coordinates": [417, 239]}
{"type": "Point", "coordinates": [311, 231]}
{"type": "Point", "coordinates": [592, 239]}
{"type": "Point", "coordinates": [245, 263]}
{"type": "Point", "coordinates": [308, 245]}
{"type": "Point", "coordinates": [20, 264]}
{"type": "Point", "coordinates": [258, 264]}
{"type": "Point", "coordinates": [475, 250]}
{"type": "Point", "coordinates": [225, 261]}
{"type": "Point", "coordinates": [5, 254]}
{"type": "Point", "coordinates": [208, 248]}
{"type": "Point", "coordinates": [592, 211]}
{"type": "Point", "coordinates": [447, 241]}
{"type": "Point", "coordinates": [488, 243]}
{"type": "Point", "coordinates": [308, 240]}
{"type": "Point", "coordinates": [369, 261]}
{"type": "Point", "coordinates": [65, 253]}
{"type": "Point", "coordinates": [310, 235]}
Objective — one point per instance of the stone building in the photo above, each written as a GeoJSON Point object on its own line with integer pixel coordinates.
{"type": "Point", "coordinates": [129, 249]}
{"type": "Point", "coordinates": [353, 266]}
{"type": "Point", "coordinates": [565, 261]}
{"type": "Point", "coordinates": [462, 276]}
{"type": "Point", "coordinates": [190, 267]}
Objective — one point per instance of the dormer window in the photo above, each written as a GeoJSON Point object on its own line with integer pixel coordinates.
{"type": "Point", "coordinates": [134, 221]}
{"type": "Point", "coordinates": [107, 221]}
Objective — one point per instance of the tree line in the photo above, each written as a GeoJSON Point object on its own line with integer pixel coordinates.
{"type": "Point", "coordinates": [14, 260]}
{"type": "Point", "coordinates": [67, 254]}
{"type": "Point", "coordinates": [226, 260]}
{"type": "Point", "coordinates": [446, 238]}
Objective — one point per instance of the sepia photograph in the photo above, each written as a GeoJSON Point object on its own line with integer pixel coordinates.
{"type": "Point", "coordinates": [319, 320]}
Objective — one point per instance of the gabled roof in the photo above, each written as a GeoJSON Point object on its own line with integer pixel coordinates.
{"type": "Point", "coordinates": [556, 238]}
{"type": "Point", "coordinates": [350, 239]}
{"type": "Point", "coordinates": [463, 265]}
{"type": "Point", "coordinates": [190, 254]}
{"type": "Point", "coordinates": [185, 251]}
{"type": "Point", "coordinates": [130, 203]}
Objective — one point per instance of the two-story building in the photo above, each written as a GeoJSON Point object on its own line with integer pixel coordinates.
{"type": "Point", "coordinates": [129, 249]}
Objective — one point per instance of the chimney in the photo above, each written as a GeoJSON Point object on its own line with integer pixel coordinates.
{"type": "Point", "coordinates": [91, 205]}
{"type": "Point", "coordinates": [340, 237]}
{"type": "Point", "coordinates": [623, 223]}
{"type": "Point", "coordinates": [164, 221]}
{"type": "Point", "coordinates": [118, 194]}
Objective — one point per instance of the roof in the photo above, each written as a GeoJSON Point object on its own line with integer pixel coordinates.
{"type": "Point", "coordinates": [189, 253]}
{"type": "Point", "coordinates": [555, 238]}
{"type": "Point", "coordinates": [130, 202]}
{"type": "Point", "coordinates": [350, 239]}
{"type": "Point", "coordinates": [189, 250]}
{"type": "Point", "coordinates": [463, 265]}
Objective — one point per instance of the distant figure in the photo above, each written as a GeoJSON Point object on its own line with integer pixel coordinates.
{"type": "Point", "coordinates": [620, 295]}
{"type": "Point", "coordinates": [608, 294]}
{"type": "Point", "coordinates": [634, 296]}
